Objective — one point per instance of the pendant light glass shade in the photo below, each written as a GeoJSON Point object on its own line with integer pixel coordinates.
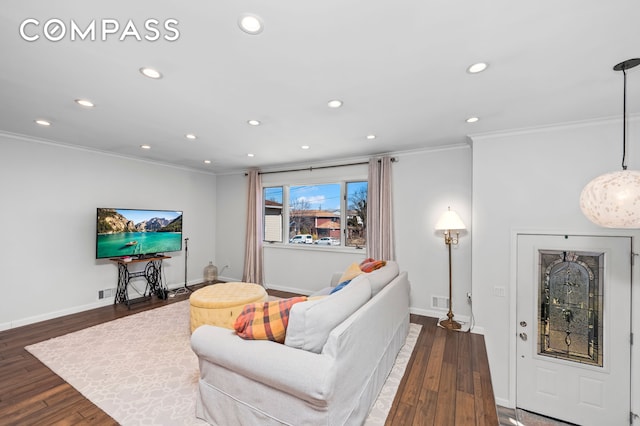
{"type": "Point", "coordinates": [612, 200]}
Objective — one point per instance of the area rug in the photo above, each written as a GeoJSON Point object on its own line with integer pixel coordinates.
{"type": "Point", "coordinates": [140, 369]}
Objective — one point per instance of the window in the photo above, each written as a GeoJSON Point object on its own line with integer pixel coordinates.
{"type": "Point", "coordinates": [356, 214]}
{"type": "Point", "coordinates": [315, 210]}
{"type": "Point", "coordinates": [320, 214]}
{"type": "Point", "coordinates": [273, 214]}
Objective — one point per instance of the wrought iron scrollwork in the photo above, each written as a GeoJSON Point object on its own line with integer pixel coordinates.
{"type": "Point", "coordinates": [152, 273]}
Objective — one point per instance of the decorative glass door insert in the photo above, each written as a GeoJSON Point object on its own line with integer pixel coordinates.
{"type": "Point", "coordinates": [571, 300]}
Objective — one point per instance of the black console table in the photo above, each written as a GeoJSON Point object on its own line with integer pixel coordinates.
{"type": "Point", "coordinates": [152, 272]}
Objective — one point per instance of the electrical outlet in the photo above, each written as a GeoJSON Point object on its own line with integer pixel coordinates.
{"type": "Point", "coordinates": [499, 291]}
{"type": "Point", "coordinates": [100, 294]}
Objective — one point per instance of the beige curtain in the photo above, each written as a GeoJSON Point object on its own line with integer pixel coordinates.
{"type": "Point", "coordinates": [253, 266]}
{"type": "Point", "coordinates": [380, 239]}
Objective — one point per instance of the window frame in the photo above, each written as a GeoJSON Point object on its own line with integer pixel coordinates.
{"type": "Point", "coordinates": [286, 217]}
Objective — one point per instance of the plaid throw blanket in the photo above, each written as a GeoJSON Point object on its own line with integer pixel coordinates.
{"type": "Point", "coordinates": [265, 321]}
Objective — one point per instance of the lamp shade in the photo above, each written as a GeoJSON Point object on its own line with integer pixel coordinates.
{"type": "Point", "coordinates": [612, 200]}
{"type": "Point", "coordinates": [449, 220]}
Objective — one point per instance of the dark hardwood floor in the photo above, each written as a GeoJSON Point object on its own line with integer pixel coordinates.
{"type": "Point", "coordinates": [447, 381]}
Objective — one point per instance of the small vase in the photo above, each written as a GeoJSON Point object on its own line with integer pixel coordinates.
{"type": "Point", "coordinates": [210, 273]}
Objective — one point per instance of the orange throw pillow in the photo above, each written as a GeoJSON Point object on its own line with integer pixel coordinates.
{"type": "Point", "coordinates": [367, 260]}
{"type": "Point", "coordinates": [372, 265]}
{"type": "Point", "coordinates": [265, 320]}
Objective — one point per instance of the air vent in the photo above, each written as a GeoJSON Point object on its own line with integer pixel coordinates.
{"type": "Point", "coordinates": [109, 292]}
{"type": "Point", "coordinates": [440, 302]}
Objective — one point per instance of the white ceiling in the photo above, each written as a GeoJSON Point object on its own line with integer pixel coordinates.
{"type": "Point", "coordinates": [399, 67]}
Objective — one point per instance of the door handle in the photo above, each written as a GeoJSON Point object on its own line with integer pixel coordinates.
{"type": "Point", "coordinates": [523, 336]}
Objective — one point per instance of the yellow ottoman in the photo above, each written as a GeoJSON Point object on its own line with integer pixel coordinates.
{"type": "Point", "coordinates": [220, 304]}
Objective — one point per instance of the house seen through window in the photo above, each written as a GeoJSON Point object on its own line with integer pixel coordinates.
{"type": "Point", "coordinates": [329, 214]}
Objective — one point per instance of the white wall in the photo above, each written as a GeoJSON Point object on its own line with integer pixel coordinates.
{"type": "Point", "coordinates": [531, 181]}
{"type": "Point", "coordinates": [231, 195]}
{"type": "Point", "coordinates": [425, 183]}
{"type": "Point", "coordinates": [49, 198]}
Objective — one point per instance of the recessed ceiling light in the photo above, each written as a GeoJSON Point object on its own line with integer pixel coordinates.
{"type": "Point", "coordinates": [305, 147]}
{"type": "Point", "coordinates": [207, 161]}
{"type": "Point", "coordinates": [476, 68]}
{"type": "Point", "coordinates": [472, 119]}
{"type": "Point", "coordinates": [250, 24]}
{"type": "Point", "coordinates": [335, 103]}
{"type": "Point", "coordinates": [190, 136]}
{"type": "Point", "coordinates": [145, 146]}
{"type": "Point", "coordinates": [254, 122]}
{"type": "Point", "coordinates": [370, 137]}
{"type": "Point", "coordinates": [250, 155]}
{"type": "Point", "coordinates": [43, 122]}
{"type": "Point", "coordinates": [150, 72]}
{"type": "Point", "coordinates": [85, 103]}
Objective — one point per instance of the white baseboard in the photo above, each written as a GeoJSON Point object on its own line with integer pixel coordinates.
{"type": "Point", "coordinates": [55, 314]}
{"type": "Point", "coordinates": [504, 403]}
{"type": "Point", "coordinates": [434, 313]}
{"type": "Point", "coordinates": [230, 279]}
{"type": "Point", "coordinates": [288, 289]}
{"type": "Point", "coordinates": [440, 314]}
{"type": "Point", "coordinates": [181, 285]}
{"type": "Point", "coordinates": [75, 309]}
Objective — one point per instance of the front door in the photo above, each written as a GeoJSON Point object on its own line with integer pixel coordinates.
{"type": "Point", "coordinates": [574, 327]}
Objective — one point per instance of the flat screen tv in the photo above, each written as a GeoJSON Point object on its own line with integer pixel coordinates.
{"type": "Point", "coordinates": [140, 233]}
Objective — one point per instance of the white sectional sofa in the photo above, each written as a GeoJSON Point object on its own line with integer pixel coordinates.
{"type": "Point", "coordinates": [337, 354]}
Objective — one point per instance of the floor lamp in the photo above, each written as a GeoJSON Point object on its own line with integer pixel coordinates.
{"type": "Point", "coordinates": [186, 288]}
{"type": "Point", "coordinates": [448, 222]}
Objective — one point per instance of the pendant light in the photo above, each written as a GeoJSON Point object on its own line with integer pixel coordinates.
{"type": "Point", "coordinates": [612, 200]}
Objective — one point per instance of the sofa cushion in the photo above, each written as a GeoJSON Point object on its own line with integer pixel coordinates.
{"type": "Point", "coordinates": [265, 320]}
{"type": "Point", "coordinates": [311, 322]}
{"type": "Point", "coordinates": [383, 276]}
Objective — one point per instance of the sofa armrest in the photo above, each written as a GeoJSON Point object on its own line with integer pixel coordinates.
{"type": "Point", "coordinates": [335, 278]}
{"type": "Point", "coordinates": [304, 374]}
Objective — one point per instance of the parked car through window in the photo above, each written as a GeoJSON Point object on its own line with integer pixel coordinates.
{"type": "Point", "coordinates": [327, 241]}
{"type": "Point", "coordinates": [302, 239]}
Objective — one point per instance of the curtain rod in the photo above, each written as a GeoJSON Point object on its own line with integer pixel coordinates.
{"type": "Point", "coordinates": [310, 169]}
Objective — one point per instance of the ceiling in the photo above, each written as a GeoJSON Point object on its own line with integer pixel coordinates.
{"type": "Point", "coordinates": [399, 67]}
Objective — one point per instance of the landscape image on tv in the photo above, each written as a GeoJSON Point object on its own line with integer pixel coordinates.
{"type": "Point", "coordinates": [130, 232]}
